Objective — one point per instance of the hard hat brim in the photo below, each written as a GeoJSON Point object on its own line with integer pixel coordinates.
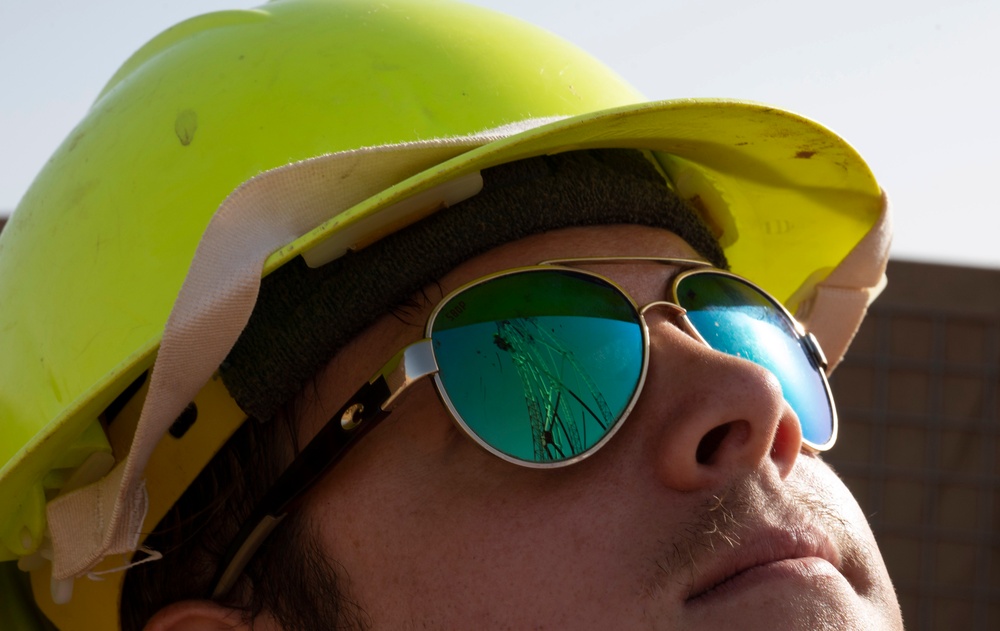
{"type": "Point", "coordinates": [789, 197]}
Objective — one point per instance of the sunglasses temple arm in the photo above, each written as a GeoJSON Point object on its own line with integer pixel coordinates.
{"type": "Point", "coordinates": [362, 412]}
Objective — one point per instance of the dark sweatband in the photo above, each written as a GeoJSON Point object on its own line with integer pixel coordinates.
{"type": "Point", "coordinates": [303, 315]}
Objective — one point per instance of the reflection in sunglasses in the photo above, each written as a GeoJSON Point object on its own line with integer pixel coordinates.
{"type": "Point", "coordinates": [541, 361]}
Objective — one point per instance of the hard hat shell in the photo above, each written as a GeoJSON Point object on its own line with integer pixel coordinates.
{"type": "Point", "coordinates": [95, 252]}
{"type": "Point", "coordinates": [93, 258]}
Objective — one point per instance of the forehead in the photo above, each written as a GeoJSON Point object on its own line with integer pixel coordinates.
{"type": "Point", "coordinates": [597, 241]}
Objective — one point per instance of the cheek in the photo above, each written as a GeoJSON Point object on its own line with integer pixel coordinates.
{"type": "Point", "coordinates": [862, 559]}
{"type": "Point", "coordinates": [418, 514]}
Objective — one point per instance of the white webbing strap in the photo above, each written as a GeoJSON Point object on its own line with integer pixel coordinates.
{"type": "Point", "coordinates": [841, 300]}
{"type": "Point", "coordinates": [214, 304]}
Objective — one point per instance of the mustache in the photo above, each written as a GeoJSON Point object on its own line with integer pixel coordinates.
{"type": "Point", "coordinates": [727, 518]}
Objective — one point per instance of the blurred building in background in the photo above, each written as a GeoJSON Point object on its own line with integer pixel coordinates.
{"type": "Point", "coordinates": [920, 439]}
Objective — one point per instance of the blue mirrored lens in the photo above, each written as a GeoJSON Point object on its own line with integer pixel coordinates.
{"type": "Point", "coordinates": [540, 365]}
{"type": "Point", "coordinates": [735, 318]}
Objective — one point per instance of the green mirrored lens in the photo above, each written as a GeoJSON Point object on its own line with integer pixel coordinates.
{"type": "Point", "coordinates": [735, 318]}
{"type": "Point", "coordinates": [539, 364]}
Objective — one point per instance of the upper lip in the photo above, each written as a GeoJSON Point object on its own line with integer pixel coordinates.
{"type": "Point", "coordinates": [758, 547]}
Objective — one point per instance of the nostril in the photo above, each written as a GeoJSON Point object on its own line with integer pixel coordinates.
{"type": "Point", "coordinates": [710, 442]}
{"type": "Point", "coordinates": [734, 433]}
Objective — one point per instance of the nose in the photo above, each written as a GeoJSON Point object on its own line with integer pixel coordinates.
{"type": "Point", "coordinates": [722, 416]}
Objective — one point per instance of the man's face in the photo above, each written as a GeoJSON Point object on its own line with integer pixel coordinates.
{"type": "Point", "coordinates": [702, 512]}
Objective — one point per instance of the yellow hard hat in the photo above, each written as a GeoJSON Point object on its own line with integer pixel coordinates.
{"type": "Point", "coordinates": [304, 127]}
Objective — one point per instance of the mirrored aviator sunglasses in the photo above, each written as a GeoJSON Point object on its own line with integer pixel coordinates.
{"type": "Point", "coordinates": [541, 365]}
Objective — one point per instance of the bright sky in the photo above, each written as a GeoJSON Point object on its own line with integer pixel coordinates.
{"type": "Point", "coordinates": [912, 84]}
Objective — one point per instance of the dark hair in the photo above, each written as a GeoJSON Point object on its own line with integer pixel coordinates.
{"type": "Point", "coordinates": [290, 577]}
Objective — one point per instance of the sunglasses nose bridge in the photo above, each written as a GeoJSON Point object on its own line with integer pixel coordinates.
{"type": "Point", "coordinates": [673, 308]}
{"type": "Point", "coordinates": [674, 313]}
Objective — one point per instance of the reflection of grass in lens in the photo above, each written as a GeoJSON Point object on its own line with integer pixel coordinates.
{"type": "Point", "coordinates": [540, 388]}
{"type": "Point", "coordinates": [539, 365]}
{"type": "Point", "coordinates": [545, 367]}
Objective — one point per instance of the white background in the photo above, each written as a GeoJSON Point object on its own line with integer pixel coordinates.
{"type": "Point", "coordinates": [913, 84]}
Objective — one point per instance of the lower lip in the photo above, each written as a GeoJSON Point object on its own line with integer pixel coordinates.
{"type": "Point", "coordinates": [797, 570]}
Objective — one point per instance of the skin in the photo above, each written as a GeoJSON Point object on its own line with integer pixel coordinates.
{"type": "Point", "coordinates": [704, 511]}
